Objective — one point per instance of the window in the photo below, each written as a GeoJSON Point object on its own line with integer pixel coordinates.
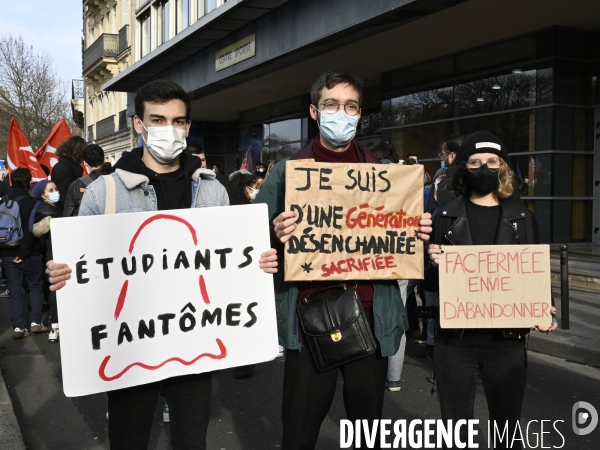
{"type": "Point", "coordinates": [205, 6]}
{"type": "Point", "coordinates": [164, 21]}
{"type": "Point", "coordinates": [209, 5]}
{"type": "Point", "coordinates": [182, 14]}
{"type": "Point", "coordinates": [145, 34]}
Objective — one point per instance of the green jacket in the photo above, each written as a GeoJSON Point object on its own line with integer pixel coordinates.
{"type": "Point", "coordinates": [388, 309]}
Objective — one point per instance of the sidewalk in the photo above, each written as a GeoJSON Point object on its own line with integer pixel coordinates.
{"type": "Point", "coordinates": [34, 412]}
{"type": "Point", "coordinates": [581, 342]}
{"type": "Point", "coordinates": [10, 433]}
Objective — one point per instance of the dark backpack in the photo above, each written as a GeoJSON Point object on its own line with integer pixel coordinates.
{"type": "Point", "coordinates": [87, 180]}
{"type": "Point", "coordinates": [11, 231]}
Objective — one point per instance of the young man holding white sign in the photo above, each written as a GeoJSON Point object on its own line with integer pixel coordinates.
{"type": "Point", "coordinates": [484, 214]}
{"type": "Point", "coordinates": [307, 393]}
{"type": "Point", "coordinates": [158, 177]}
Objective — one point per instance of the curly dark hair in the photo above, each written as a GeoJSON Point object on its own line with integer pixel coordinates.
{"type": "Point", "coordinates": [72, 148]}
{"type": "Point", "coordinates": [242, 181]}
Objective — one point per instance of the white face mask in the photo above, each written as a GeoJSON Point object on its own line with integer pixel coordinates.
{"type": "Point", "coordinates": [53, 197]}
{"type": "Point", "coordinates": [253, 194]}
{"type": "Point", "coordinates": [165, 143]}
{"type": "Point", "coordinates": [338, 128]}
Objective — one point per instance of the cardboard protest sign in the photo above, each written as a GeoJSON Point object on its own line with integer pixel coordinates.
{"type": "Point", "coordinates": [160, 294]}
{"type": "Point", "coordinates": [355, 221]}
{"type": "Point", "coordinates": [495, 286]}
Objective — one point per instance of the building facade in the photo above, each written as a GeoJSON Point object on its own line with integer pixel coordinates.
{"type": "Point", "coordinates": [526, 71]}
{"type": "Point", "coordinates": [106, 53]}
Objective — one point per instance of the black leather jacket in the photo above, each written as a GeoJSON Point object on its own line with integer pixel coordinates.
{"type": "Point", "coordinates": [516, 226]}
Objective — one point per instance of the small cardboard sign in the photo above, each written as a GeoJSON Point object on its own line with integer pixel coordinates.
{"type": "Point", "coordinates": [355, 221]}
{"type": "Point", "coordinates": [155, 295]}
{"type": "Point", "coordinates": [495, 286]}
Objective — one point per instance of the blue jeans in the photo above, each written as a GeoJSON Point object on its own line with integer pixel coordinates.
{"type": "Point", "coordinates": [396, 362]}
{"type": "Point", "coordinates": [32, 270]}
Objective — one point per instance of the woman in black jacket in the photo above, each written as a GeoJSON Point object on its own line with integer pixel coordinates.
{"type": "Point", "coordinates": [48, 195]}
{"type": "Point", "coordinates": [68, 168]}
{"type": "Point", "coordinates": [483, 214]}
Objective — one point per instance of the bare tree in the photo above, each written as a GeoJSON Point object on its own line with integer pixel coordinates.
{"type": "Point", "coordinates": [279, 147]}
{"type": "Point", "coordinates": [31, 91]}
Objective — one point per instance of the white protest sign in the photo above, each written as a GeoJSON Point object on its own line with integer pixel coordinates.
{"type": "Point", "coordinates": [160, 294]}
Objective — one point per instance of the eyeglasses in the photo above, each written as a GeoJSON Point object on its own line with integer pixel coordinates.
{"type": "Point", "coordinates": [202, 159]}
{"type": "Point", "coordinates": [475, 164]}
{"type": "Point", "coordinates": [443, 155]}
{"type": "Point", "coordinates": [331, 107]}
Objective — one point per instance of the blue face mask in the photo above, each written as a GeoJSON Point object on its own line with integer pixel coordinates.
{"type": "Point", "coordinates": [53, 197]}
{"type": "Point", "coordinates": [444, 167]}
{"type": "Point", "coordinates": [338, 128]}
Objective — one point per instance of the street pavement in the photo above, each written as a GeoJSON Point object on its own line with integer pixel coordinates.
{"type": "Point", "coordinates": [246, 413]}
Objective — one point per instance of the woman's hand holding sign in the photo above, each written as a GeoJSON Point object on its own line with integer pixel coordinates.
{"type": "Point", "coordinates": [435, 251]}
{"type": "Point", "coordinates": [553, 326]}
{"type": "Point", "coordinates": [424, 229]}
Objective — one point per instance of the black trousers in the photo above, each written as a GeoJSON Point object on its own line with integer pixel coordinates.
{"type": "Point", "coordinates": [504, 374]}
{"type": "Point", "coordinates": [131, 412]}
{"type": "Point", "coordinates": [308, 394]}
{"type": "Point", "coordinates": [53, 317]}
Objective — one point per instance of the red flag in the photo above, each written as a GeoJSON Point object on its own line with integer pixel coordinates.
{"type": "Point", "coordinates": [19, 153]}
{"type": "Point", "coordinates": [46, 154]}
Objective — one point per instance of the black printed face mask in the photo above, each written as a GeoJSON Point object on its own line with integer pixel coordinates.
{"type": "Point", "coordinates": [483, 181]}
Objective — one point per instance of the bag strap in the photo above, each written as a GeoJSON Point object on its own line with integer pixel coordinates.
{"type": "Point", "coordinates": [323, 289]}
{"type": "Point", "coordinates": [32, 215]}
{"type": "Point", "coordinates": [111, 195]}
{"type": "Point", "coordinates": [20, 197]}
{"type": "Point", "coordinates": [86, 180]}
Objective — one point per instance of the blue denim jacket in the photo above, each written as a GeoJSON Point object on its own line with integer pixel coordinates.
{"type": "Point", "coordinates": [134, 193]}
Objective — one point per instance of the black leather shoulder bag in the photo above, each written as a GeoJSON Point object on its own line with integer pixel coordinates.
{"type": "Point", "coordinates": [335, 327]}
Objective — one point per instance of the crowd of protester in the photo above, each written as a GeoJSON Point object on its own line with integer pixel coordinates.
{"type": "Point", "coordinates": [38, 203]}
{"type": "Point", "coordinates": [474, 183]}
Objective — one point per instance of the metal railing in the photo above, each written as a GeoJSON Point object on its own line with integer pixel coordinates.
{"type": "Point", "coordinates": [564, 287]}
{"type": "Point", "coordinates": [123, 39]}
{"type": "Point", "coordinates": [105, 127]}
{"type": "Point", "coordinates": [106, 46]}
